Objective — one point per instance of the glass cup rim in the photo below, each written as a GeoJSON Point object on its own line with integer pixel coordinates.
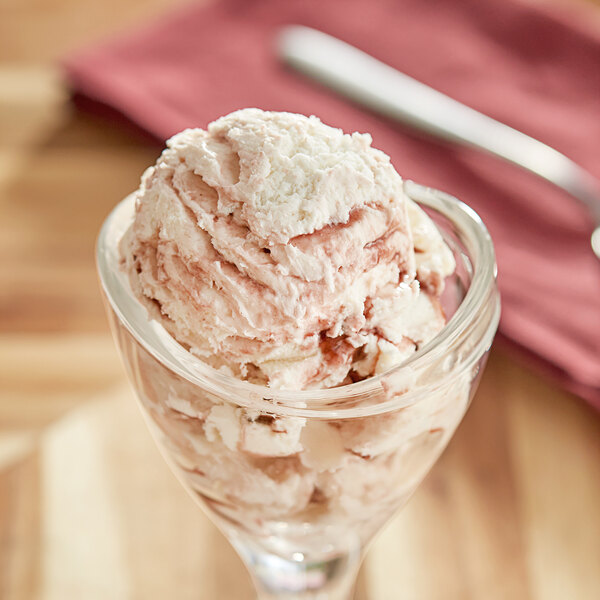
{"type": "Point", "coordinates": [298, 402]}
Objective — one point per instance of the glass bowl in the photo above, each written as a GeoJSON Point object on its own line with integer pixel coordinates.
{"type": "Point", "coordinates": [301, 481]}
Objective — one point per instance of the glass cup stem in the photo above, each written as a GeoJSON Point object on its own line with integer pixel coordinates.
{"type": "Point", "coordinates": [300, 577]}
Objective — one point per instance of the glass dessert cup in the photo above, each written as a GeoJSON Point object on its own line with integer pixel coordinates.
{"type": "Point", "coordinates": [301, 481]}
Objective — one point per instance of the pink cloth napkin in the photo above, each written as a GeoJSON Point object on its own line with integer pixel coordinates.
{"type": "Point", "coordinates": [532, 68]}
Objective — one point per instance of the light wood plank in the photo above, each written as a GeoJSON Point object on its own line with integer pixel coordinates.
{"type": "Point", "coordinates": [19, 516]}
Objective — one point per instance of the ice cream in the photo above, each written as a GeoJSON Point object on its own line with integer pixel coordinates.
{"type": "Point", "coordinates": [285, 252]}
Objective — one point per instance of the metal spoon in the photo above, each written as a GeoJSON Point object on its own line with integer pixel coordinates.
{"type": "Point", "coordinates": [383, 89]}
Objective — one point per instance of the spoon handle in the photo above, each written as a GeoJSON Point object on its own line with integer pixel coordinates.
{"type": "Point", "coordinates": [366, 80]}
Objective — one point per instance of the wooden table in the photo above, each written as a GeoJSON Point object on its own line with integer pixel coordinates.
{"type": "Point", "coordinates": [89, 511]}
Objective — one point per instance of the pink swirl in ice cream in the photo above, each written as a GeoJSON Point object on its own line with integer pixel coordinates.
{"type": "Point", "coordinates": [285, 252]}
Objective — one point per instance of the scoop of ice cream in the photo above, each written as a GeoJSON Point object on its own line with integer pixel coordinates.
{"type": "Point", "coordinates": [285, 252]}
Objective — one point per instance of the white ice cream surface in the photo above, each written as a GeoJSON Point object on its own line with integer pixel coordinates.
{"type": "Point", "coordinates": [283, 251]}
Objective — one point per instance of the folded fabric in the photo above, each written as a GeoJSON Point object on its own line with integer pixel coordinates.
{"type": "Point", "coordinates": [528, 66]}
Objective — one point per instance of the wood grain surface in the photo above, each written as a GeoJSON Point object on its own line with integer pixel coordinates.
{"type": "Point", "coordinates": [88, 509]}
